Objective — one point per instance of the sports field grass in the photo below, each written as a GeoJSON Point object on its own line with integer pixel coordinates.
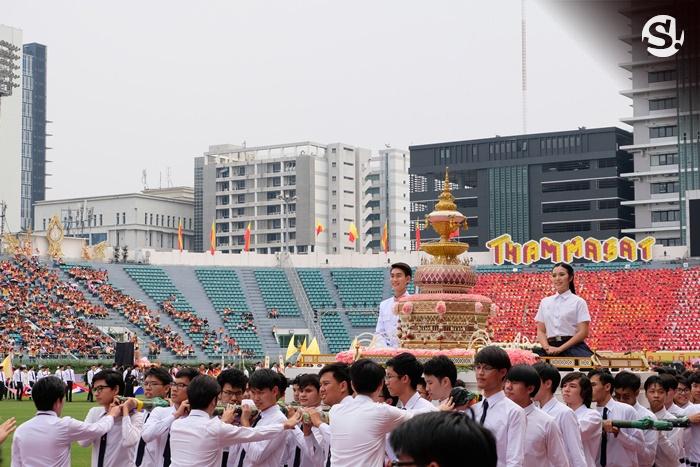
{"type": "Point", "coordinates": [23, 411]}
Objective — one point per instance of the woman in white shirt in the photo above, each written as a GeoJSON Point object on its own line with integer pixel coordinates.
{"type": "Point", "coordinates": [563, 318]}
{"type": "Point", "coordinates": [577, 393]}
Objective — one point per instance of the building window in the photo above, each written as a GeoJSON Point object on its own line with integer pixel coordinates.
{"type": "Point", "coordinates": [609, 162]}
{"type": "Point", "coordinates": [663, 131]}
{"type": "Point", "coordinates": [608, 204]}
{"type": "Point", "coordinates": [664, 187]}
{"type": "Point", "coordinates": [663, 104]}
{"type": "Point", "coordinates": [150, 216]}
{"type": "Point", "coordinates": [661, 76]}
{"type": "Point", "coordinates": [145, 218]}
{"type": "Point", "coordinates": [664, 159]}
{"type": "Point", "coordinates": [566, 166]}
{"type": "Point", "coordinates": [609, 225]}
{"type": "Point", "coordinates": [669, 241]}
{"type": "Point", "coordinates": [44, 224]}
{"type": "Point", "coordinates": [100, 219]}
{"type": "Point", "coordinates": [123, 218]}
{"type": "Point", "coordinates": [666, 216]}
{"type": "Point", "coordinates": [566, 207]}
{"type": "Point", "coordinates": [117, 218]}
{"type": "Point", "coordinates": [566, 186]}
{"type": "Point", "coordinates": [567, 227]}
{"type": "Point", "coordinates": [607, 183]}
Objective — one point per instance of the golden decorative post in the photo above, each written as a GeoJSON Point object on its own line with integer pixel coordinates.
{"type": "Point", "coordinates": [54, 235]}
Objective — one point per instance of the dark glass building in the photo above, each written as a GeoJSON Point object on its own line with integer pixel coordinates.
{"type": "Point", "coordinates": [33, 131]}
{"type": "Point", "coordinates": [555, 185]}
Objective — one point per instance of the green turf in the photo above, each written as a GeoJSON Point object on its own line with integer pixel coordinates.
{"type": "Point", "coordinates": [23, 411]}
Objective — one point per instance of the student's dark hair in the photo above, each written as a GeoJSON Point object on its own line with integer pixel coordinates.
{"type": "Point", "coordinates": [309, 379]}
{"type": "Point", "coordinates": [692, 379]}
{"type": "Point", "coordinates": [404, 267]}
{"type": "Point", "coordinates": [668, 370]}
{"type": "Point", "coordinates": [627, 380]}
{"type": "Point", "coordinates": [525, 374]}
{"type": "Point", "coordinates": [366, 376]}
{"type": "Point", "coordinates": [570, 272]}
{"type": "Point", "coordinates": [47, 391]}
{"type": "Point", "coordinates": [406, 364]}
{"type": "Point", "coordinates": [434, 436]}
{"type": "Point", "coordinates": [669, 381]}
{"type": "Point", "coordinates": [654, 379]}
{"type": "Point", "coordinates": [161, 374]}
{"type": "Point", "coordinates": [388, 397]}
{"type": "Point", "coordinates": [187, 372]}
{"type": "Point", "coordinates": [548, 373]}
{"type": "Point", "coordinates": [235, 377]}
{"type": "Point", "coordinates": [340, 373]}
{"type": "Point", "coordinates": [201, 391]}
{"type": "Point", "coordinates": [683, 380]}
{"type": "Point", "coordinates": [441, 367]}
{"type": "Point", "coordinates": [295, 381]}
{"type": "Point", "coordinates": [605, 377]}
{"type": "Point", "coordinates": [111, 378]}
{"type": "Point", "coordinates": [265, 379]}
{"type": "Point", "coordinates": [583, 382]}
{"type": "Point", "coordinates": [281, 383]}
{"type": "Point", "coordinates": [494, 356]}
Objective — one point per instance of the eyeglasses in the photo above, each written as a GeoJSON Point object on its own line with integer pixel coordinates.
{"type": "Point", "coordinates": [390, 377]}
{"type": "Point", "coordinates": [99, 388]}
{"type": "Point", "coordinates": [151, 383]}
{"type": "Point", "coordinates": [483, 368]}
{"type": "Point", "coordinates": [683, 390]}
{"type": "Point", "coordinates": [180, 385]}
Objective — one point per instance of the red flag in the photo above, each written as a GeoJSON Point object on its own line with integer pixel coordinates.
{"type": "Point", "coordinates": [319, 228]}
{"type": "Point", "coordinates": [246, 236]}
{"type": "Point", "coordinates": [417, 236]}
{"type": "Point", "coordinates": [352, 233]}
{"type": "Point", "coordinates": [385, 238]}
{"type": "Point", "coordinates": [180, 240]}
{"type": "Point", "coordinates": [212, 239]}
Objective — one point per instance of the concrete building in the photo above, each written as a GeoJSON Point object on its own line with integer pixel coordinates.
{"type": "Point", "coordinates": [33, 130]}
{"type": "Point", "coordinates": [557, 185]}
{"type": "Point", "coordinates": [282, 191]}
{"type": "Point", "coordinates": [10, 126]}
{"type": "Point", "coordinates": [666, 146]}
{"type": "Point", "coordinates": [386, 201]}
{"type": "Point", "coordinates": [148, 219]}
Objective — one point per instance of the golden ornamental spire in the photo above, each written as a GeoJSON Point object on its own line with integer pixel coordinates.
{"type": "Point", "coordinates": [446, 200]}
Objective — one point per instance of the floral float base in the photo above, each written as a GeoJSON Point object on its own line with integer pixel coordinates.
{"type": "Point", "coordinates": [460, 357]}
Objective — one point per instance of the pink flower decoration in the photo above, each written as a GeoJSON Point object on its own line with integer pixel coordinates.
{"type": "Point", "coordinates": [478, 307]}
{"type": "Point", "coordinates": [440, 308]}
{"type": "Point", "coordinates": [407, 308]}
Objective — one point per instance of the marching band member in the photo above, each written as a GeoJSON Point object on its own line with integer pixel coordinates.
{"type": "Point", "coordinates": [565, 417]}
{"type": "Point", "coordinates": [504, 418]}
{"type": "Point", "coordinates": [543, 440]}
{"type": "Point", "coordinates": [626, 391]}
{"type": "Point", "coordinates": [577, 394]}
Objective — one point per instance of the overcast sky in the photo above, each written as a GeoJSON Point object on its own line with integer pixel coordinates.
{"type": "Point", "coordinates": [136, 85]}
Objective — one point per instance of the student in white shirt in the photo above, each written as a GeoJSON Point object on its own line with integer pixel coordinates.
{"type": "Point", "coordinates": [46, 438]}
{"type": "Point", "coordinates": [116, 447]}
{"type": "Point", "coordinates": [31, 376]}
{"type": "Point", "coordinates": [691, 436]}
{"type": "Point", "coordinates": [668, 449]}
{"type": "Point", "coordinates": [440, 375]}
{"type": "Point", "coordinates": [68, 378]}
{"type": "Point", "coordinates": [17, 383]}
{"type": "Point", "coordinates": [627, 386]}
{"type": "Point", "coordinates": [359, 426]}
{"type": "Point", "coordinates": [577, 394]}
{"type": "Point", "coordinates": [504, 418]}
{"type": "Point", "coordinates": [443, 439]}
{"type": "Point", "coordinates": [88, 379]}
{"type": "Point", "coordinates": [156, 384]}
{"type": "Point", "coordinates": [304, 449]}
{"type": "Point", "coordinates": [399, 276]}
{"type": "Point", "coordinates": [694, 385]}
{"type": "Point", "coordinates": [543, 440]}
{"type": "Point", "coordinates": [565, 417]}
{"type": "Point", "coordinates": [682, 397]}
{"type": "Point", "coordinates": [233, 384]}
{"type": "Point", "coordinates": [198, 439]}
{"type": "Point", "coordinates": [670, 384]}
{"type": "Point", "coordinates": [563, 319]}
{"type": "Point", "coordinates": [618, 446]}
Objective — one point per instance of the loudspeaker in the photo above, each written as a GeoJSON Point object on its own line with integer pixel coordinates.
{"type": "Point", "coordinates": [124, 354]}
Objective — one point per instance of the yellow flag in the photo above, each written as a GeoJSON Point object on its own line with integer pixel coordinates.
{"type": "Point", "coordinates": [291, 349]}
{"type": "Point", "coordinates": [7, 366]}
{"type": "Point", "coordinates": [354, 344]}
{"type": "Point", "coordinates": [302, 349]}
{"type": "Point", "coordinates": [313, 348]}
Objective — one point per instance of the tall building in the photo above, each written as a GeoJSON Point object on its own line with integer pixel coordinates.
{"type": "Point", "coordinates": [665, 101]}
{"type": "Point", "coordinates": [386, 201]}
{"type": "Point", "coordinates": [149, 219]}
{"type": "Point", "coordinates": [33, 130]}
{"type": "Point", "coordinates": [10, 126]}
{"type": "Point", "coordinates": [557, 185]}
{"type": "Point", "coordinates": [283, 192]}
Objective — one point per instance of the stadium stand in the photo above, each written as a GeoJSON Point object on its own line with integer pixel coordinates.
{"type": "Point", "coordinates": [360, 288]}
{"type": "Point", "coordinates": [334, 331]}
{"type": "Point", "coordinates": [276, 292]}
{"type": "Point", "coordinates": [316, 289]}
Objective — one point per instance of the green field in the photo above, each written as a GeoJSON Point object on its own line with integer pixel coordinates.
{"type": "Point", "coordinates": [23, 411]}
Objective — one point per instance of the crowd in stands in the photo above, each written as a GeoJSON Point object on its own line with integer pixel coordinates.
{"type": "Point", "coordinates": [246, 322]}
{"type": "Point", "coordinates": [41, 316]}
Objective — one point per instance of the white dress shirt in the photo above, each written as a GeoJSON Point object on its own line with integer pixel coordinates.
{"type": "Point", "coordinates": [418, 405]}
{"type": "Point", "coordinates": [506, 421]}
{"type": "Point", "coordinates": [387, 322]}
{"type": "Point", "coordinates": [591, 432]}
{"type": "Point", "coordinates": [17, 376]}
{"type": "Point", "coordinates": [570, 429]}
{"type": "Point", "coordinates": [691, 435]}
{"type": "Point", "coordinates": [31, 376]}
{"type": "Point", "coordinates": [647, 454]}
{"type": "Point", "coordinates": [560, 313]}
{"type": "Point", "coordinates": [155, 435]}
{"type": "Point", "coordinates": [358, 431]}
{"type": "Point", "coordinates": [325, 430]}
{"type": "Point", "coordinates": [543, 440]}
{"type": "Point", "coordinates": [674, 410]}
{"type": "Point", "coordinates": [121, 439]}
{"type": "Point", "coordinates": [622, 449]}
{"type": "Point", "coordinates": [267, 453]}
{"type": "Point", "coordinates": [89, 376]}
{"type": "Point", "coordinates": [198, 440]}
{"type": "Point", "coordinates": [44, 441]}
{"type": "Point", "coordinates": [668, 449]}
{"type": "Point", "coordinates": [24, 377]}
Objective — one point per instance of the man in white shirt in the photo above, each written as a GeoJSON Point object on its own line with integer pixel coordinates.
{"type": "Point", "coordinates": [156, 384]}
{"type": "Point", "coordinates": [682, 397]}
{"type": "Point", "coordinates": [668, 449]}
{"type": "Point", "coordinates": [440, 375]}
{"type": "Point", "coordinates": [88, 379]}
{"type": "Point", "coordinates": [233, 385]}
{"type": "Point", "coordinates": [68, 378]}
{"type": "Point", "coordinates": [399, 276]}
{"type": "Point", "coordinates": [618, 446]}
{"type": "Point", "coordinates": [564, 416]}
{"type": "Point", "coordinates": [46, 438]}
{"type": "Point", "coordinates": [31, 377]}
{"type": "Point", "coordinates": [156, 430]}
{"type": "Point", "coordinates": [671, 385]}
{"type": "Point", "coordinates": [116, 447]}
{"type": "Point", "coordinates": [359, 426]}
{"type": "Point", "coordinates": [694, 385]}
{"type": "Point", "coordinates": [691, 436]}
{"type": "Point", "coordinates": [504, 418]}
{"type": "Point", "coordinates": [577, 394]}
{"type": "Point", "coordinates": [627, 386]}
{"type": "Point", "coordinates": [543, 439]}
{"type": "Point", "coordinates": [198, 439]}
{"type": "Point", "coordinates": [17, 383]}
{"type": "Point", "coordinates": [306, 441]}
{"type": "Point", "coordinates": [24, 377]}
